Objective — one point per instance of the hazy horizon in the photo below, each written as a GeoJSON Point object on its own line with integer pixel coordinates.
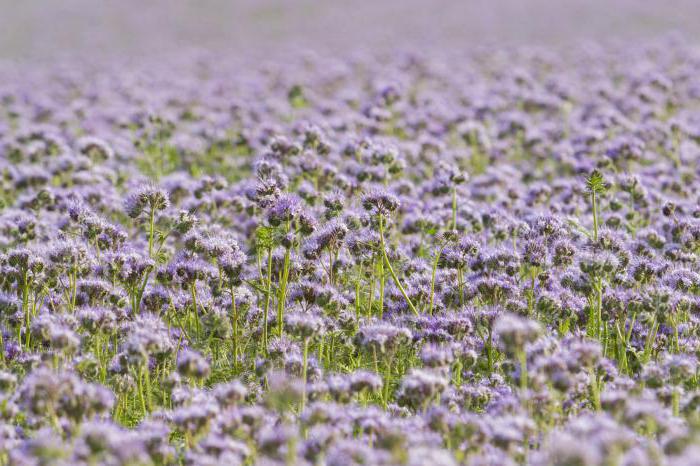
{"type": "Point", "coordinates": [32, 30]}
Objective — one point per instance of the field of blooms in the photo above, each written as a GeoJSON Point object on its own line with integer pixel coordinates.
{"type": "Point", "coordinates": [483, 258]}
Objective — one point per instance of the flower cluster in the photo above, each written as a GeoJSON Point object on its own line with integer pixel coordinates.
{"type": "Point", "coordinates": [480, 258]}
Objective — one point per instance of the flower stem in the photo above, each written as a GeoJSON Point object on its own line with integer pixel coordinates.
{"type": "Point", "coordinates": [193, 290]}
{"type": "Point", "coordinates": [675, 401]}
{"type": "Point", "coordinates": [234, 325]}
{"type": "Point", "coordinates": [382, 285]}
{"type": "Point", "coordinates": [432, 280]}
{"type": "Point", "coordinates": [304, 366]}
{"type": "Point", "coordinates": [391, 269]}
{"type": "Point", "coordinates": [454, 207]}
{"type": "Point", "coordinates": [151, 230]}
{"type": "Point", "coordinates": [282, 294]}
{"type": "Point", "coordinates": [595, 216]}
{"type": "Point", "coordinates": [522, 359]}
{"type": "Point", "coordinates": [268, 295]}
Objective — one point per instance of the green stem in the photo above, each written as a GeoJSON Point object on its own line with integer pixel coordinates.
{"type": "Point", "coordinates": [303, 373]}
{"type": "Point", "coordinates": [391, 269]}
{"type": "Point", "coordinates": [595, 389]}
{"type": "Point", "coordinates": [522, 358]}
{"type": "Point", "coordinates": [139, 293]}
{"type": "Point", "coordinates": [460, 286]}
{"type": "Point", "coordinates": [284, 279]}
{"type": "Point", "coordinates": [595, 216]}
{"type": "Point", "coordinates": [147, 377]}
{"type": "Point", "coordinates": [432, 280]}
{"type": "Point", "coordinates": [25, 308]}
{"type": "Point", "coordinates": [358, 295]}
{"type": "Point", "coordinates": [531, 296]}
{"type": "Point", "coordinates": [382, 285]}
{"type": "Point", "coordinates": [371, 286]}
{"type": "Point", "coordinates": [676, 338]}
{"type": "Point", "coordinates": [454, 207]}
{"type": "Point", "coordinates": [282, 294]}
{"type": "Point", "coordinates": [621, 348]}
{"type": "Point", "coordinates": [387, 383]}
{"type": "Point", "coordinates": [140, 390]}
{"type": "Point", "coordinates": [74, 288]}
{"type": "Point", "coordinates": [193, 291]}
{"type": "Point", "coordinates": [376, 370]}
{"type": "Point", "coordinates": [489, 351]}
{"type": "Point", "coordinates": [151, 229]}
{"type": "Point", "coordinates": [675, 401]}
{"type": "Point", "coordinates": [599, 305]}
{"type": "Point", "coordinates": [651, 337]}
{"type": "Point", "coordinates": [234, 325]}
{"type": "Point", "coordinates": [267, 298]}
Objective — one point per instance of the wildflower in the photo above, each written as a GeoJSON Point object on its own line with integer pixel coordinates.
{"type": "Point", "coordinates": [303, 325]}
{"type": "Point", "coordinates": [420, 387]}
{"type": "Point", "coordinates": [286, 208]}
{"type": "Point", "coordinates": [384, 338]}
{"type": "Point", "coordinates": [146, 198]}
{"type": "Point", "coordinates": [514, 332]}
{"type": "Point", "coordinates": [380, 201]}
{"type": "Point", "coordinates": [191, 364]}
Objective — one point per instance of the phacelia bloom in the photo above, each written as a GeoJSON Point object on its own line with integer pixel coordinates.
{"type": "Point", "coordinates": [146, 198]}
{"type": "Point", "coordinates": [380, 201]}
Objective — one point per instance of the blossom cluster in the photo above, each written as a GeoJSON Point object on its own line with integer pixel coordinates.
{"type": "Point", "coordinates": [482, 258]}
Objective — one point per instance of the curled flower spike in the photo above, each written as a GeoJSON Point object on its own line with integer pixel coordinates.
{"type": "Point", "coordinates": [146, 198]}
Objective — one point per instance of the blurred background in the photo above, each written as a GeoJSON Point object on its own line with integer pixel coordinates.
{"type": "Point", "coordinates": [54, 29]}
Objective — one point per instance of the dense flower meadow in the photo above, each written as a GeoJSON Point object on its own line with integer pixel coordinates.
{"type": "Point", "coordinates": [483, 258]}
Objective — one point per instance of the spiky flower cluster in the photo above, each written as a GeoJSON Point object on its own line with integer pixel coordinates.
{"type": "Point", "coordinates": [483, 258]}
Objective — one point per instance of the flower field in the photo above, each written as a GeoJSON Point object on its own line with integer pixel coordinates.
{"type": "Point", "coordinates": [482, 258]}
